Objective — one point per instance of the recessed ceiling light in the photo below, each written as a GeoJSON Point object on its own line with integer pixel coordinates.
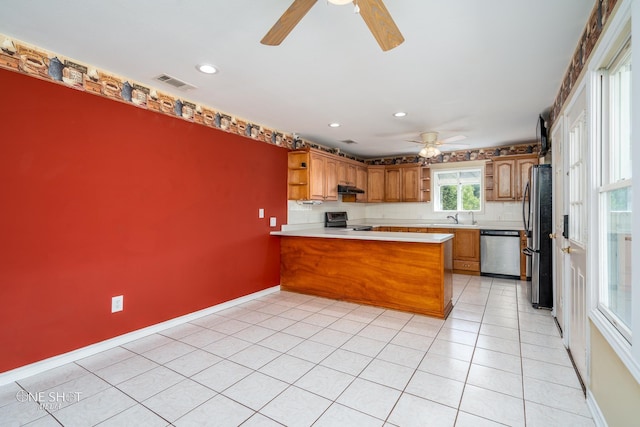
{"type": "Point", "coordinates": [207, 69]}
{"type": "Point", "coordinates": [399, 114]}
{"type": "Point", "coordinates": [334, 125]}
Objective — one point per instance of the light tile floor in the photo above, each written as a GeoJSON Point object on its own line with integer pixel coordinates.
{"type": "Point", "coordinates": [295, 360]}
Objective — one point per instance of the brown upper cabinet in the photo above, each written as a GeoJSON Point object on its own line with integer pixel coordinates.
{"type": "Point", "coordinates": [312, 175]}
{"type": "Point", "coordinates": [346, 173]}
{"type": "Point", "coordinates": [315, 175]}
{"type": "Point", "coordinates": [361, 183]}
{"type": "Point", "coordinates": [510, 176]}
{"type": "Point", "coordinates": [402, 183]}
{"type": "Point", "coordinates": [425, 187]}
{"type": "Point", "coordinates": [323, 172]}
{"type": "Point", "coordinates": [392, 185]}
{"type": "Point", "coordinates": [375, 184]}
{"type": "Point", "coordinates": [298, 175]}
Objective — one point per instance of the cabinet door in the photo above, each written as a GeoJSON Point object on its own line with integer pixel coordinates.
{"type": "Point", "coordinates": [351, 174]}
{"type": "Point", "coordinates": [440, 231]}
{"type": "Point", "coordinates": [466, 245]}
{"type": "Point", "coordinates": [523, 166]}
{"type": "Point", "coordinates": [417, 230]}
{"type": "Point", "coordinates": [375, 184]}
{"type": "Point", "coordinates": [504, 180]}
{"type": "Point", "coordinates": [316, 177]}
{"type": "Point", "coordinates": [361, 182]}
{"type": "Point", "coordinates": [342, 173]}
{"type": "Point", "coordinates": [331, 179]}
{"type": "Point", "coordinates": [410, 181]}
{"type": "Point", "coordinates": [392, 185]}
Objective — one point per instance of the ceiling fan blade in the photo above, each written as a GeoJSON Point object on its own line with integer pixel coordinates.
{"type": "Point", "coordinates": [287, 22]}
{"type": "Point", "coordinates": [453, 146]}
{"type": "Point", "coordinates": [452, 139]}
{"type": "Point", "coordinates": [380, 23]}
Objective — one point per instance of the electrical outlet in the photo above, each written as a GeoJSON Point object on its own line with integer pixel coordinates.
{"type": "Point", "coordinates": [260, 213]}
{"type": "Point", "coordinates": [117, 303]}
{"type": "Point", "coordinates": [272, 221]}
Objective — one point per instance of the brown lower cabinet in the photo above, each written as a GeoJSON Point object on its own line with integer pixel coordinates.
{"type": "Point", "coordinates": [466, 251]}
{"type": "Point", "coordinates": [466, 245]}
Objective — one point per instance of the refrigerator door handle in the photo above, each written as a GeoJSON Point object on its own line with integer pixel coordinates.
{"type": "Point", "coordinates": [526, 216]}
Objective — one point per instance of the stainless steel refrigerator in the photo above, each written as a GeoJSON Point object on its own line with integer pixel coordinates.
{"type": "Point", "coordinates": [537, 214]}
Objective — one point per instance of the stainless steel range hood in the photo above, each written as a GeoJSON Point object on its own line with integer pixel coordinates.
{"type": "Point", "coordinates": [349, 189]}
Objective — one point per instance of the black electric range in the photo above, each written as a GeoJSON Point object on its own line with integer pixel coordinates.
{"type": "Point", "coordinates": [339, 220]}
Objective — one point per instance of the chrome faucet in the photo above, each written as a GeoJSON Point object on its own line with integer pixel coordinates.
{"type": "Point", "coordinates": [454, 218]}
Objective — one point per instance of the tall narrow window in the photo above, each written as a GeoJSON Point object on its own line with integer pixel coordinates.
{"type": "Point", "coordinates": [458, 190]}
{"type": "Point", "coordinates": [615, 207]}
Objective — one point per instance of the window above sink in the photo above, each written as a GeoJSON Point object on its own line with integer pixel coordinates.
{"type": "Point", "coordinates": [458, 190]}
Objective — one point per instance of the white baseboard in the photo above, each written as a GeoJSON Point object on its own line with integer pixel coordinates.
{"type": "Point", "coordinates": [62, 359]}
{"type": "Point", "coordinates": [596, 413]}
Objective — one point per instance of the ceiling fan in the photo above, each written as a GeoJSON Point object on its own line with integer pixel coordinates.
{"type": "Point", "coordinates": [432, 144]}
{"type": "Point", "coordinates": [374, 13]}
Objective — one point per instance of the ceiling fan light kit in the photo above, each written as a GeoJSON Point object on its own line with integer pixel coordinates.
{"type": "Point", "coordinates": [373, 12]}
{"type": "Point", "coordinates": [429, 151]}
{"type": "Point", "coordinates": [431, 143]}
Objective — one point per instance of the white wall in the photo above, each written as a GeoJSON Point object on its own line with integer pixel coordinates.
{"type": "Point", "coordinates": [314, 214]}
{"type": "Point", "coordinates": [492, 212]}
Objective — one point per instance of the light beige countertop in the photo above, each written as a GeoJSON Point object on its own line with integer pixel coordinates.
{"type": "Point", "coordinates": [484, 225]}
{"type": "Point", "coordinates": [332, 233]}
{"type": "Point", "coordinates": [493, 225]}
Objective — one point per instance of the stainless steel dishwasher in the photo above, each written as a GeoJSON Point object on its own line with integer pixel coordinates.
{"type": "Point", "coordinates": [500, 253]}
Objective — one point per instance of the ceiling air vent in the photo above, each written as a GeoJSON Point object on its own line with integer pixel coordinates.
{"type": "Point", "coordinates": [348, 141]}
{"type": "Point", "coordinates": [172, 81]}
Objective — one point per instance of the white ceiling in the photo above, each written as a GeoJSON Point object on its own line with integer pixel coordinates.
{"type": "Point", "coordinates": [484, 69]}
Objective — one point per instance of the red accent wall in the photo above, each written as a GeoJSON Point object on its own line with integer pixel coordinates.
{"type": "Point", "coordinates": [99, 198]}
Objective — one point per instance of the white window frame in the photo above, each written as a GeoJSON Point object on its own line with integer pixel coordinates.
{"type": "Point", "coordinates": [618, 28]}
{"type": "Point", "coordinates": [608, 184]}
{"type": "Point", "coordinates": [436, 188]}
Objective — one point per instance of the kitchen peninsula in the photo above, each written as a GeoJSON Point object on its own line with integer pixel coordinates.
{"type": "Point", "coordinates": [402, 271]}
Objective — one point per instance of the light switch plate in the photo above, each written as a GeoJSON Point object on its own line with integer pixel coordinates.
{"type": "Point", "coordinates": [260, 213]}
{"type": "Point", "coordinates": [117, 303]}
{"type": "Point", "coordinates": [272, 221]}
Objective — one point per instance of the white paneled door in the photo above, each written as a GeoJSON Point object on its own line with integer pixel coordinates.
{"type": "Point", "coordinates": [575, 245]}
{"type": "Point", "coordinates": [560, 209]}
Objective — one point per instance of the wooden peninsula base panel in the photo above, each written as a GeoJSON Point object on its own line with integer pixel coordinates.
{"type": "Point", "coordinates": [407, 276]}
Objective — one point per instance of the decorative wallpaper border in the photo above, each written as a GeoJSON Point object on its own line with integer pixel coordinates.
{"type": "Point", "coordinates": [461, 155]}
{"type": "Point", "coordinates": [598, 18]}
{"type": "Point", "coordinates": [27, 59]}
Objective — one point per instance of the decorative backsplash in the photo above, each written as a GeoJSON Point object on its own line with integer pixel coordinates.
{"type": "Point", "coordinates": [21, 57]}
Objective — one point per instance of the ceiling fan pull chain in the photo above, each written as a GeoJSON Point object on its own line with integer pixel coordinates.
{"type": "Point", "coordinates": [356, 9]}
